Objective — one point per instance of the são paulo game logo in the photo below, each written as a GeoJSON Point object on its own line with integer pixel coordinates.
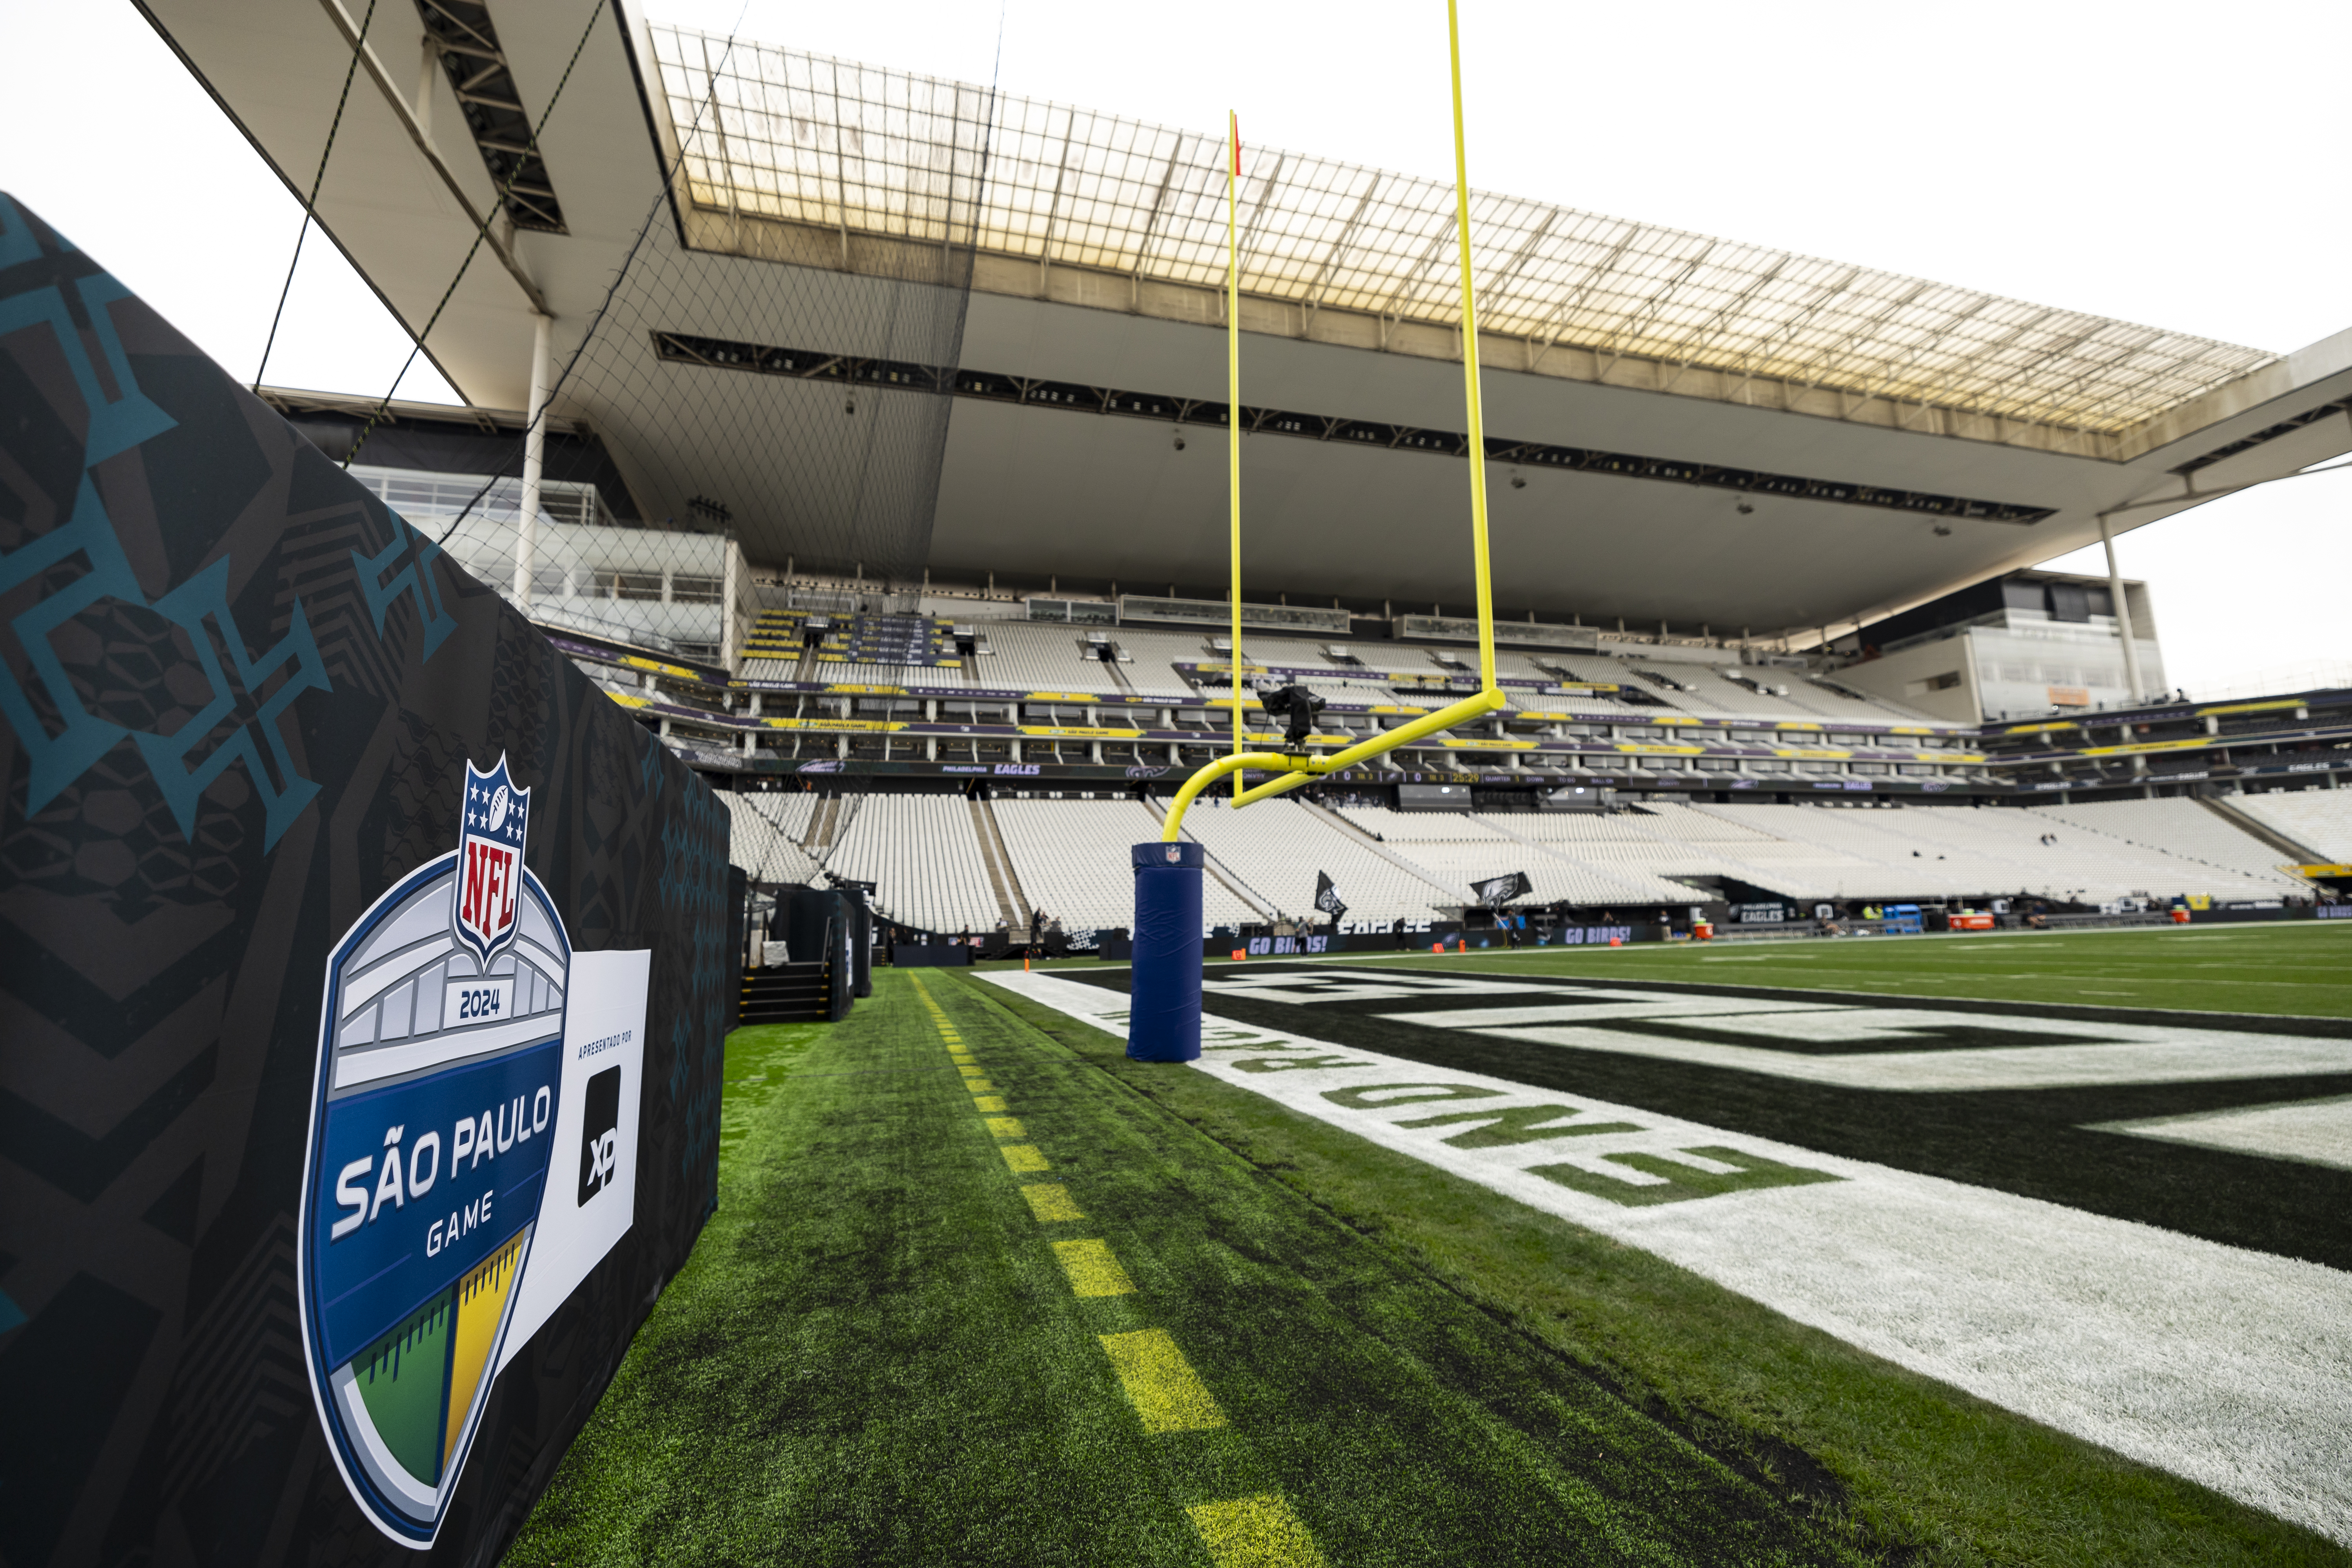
{"type": "Point", "coordinates": [463, 1172]}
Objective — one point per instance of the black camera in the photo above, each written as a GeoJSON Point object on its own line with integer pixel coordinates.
{"type": "Point", "coordinates": [1297, 707]}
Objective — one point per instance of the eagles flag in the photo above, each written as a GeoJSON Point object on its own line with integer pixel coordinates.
{"type": "Point", "coordinates": [1326, 896]}
{"type": "Point", "coordinates": [1497, 892]}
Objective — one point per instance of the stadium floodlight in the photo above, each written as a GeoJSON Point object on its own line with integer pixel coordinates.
{"type": "Point", "coordinates": [1164, 1012]}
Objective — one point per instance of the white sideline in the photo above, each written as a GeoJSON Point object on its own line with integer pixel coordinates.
{"type": "Point", "coordinates": [2229, 1367]}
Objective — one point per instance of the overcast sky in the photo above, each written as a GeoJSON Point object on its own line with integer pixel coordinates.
{"type": "Point", "coordinates": [2180, 166]}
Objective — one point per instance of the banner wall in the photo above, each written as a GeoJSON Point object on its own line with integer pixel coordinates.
{"type": "Point", "coordinates": [366, 980]}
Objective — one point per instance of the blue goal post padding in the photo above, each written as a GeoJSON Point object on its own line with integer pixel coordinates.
{"type": "Point", "coordinates": [1163, 1018]}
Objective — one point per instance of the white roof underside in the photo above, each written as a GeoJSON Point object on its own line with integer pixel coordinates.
{"type": "Point", "coordinates": [807, 139]}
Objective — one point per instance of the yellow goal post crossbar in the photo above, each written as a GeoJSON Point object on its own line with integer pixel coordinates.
{"type": "Point", "coordinates": [1295, 771]}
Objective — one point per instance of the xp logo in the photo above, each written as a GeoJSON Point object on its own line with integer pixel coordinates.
{"type": "Point", "coordinates": [600, 1147]}
{"type": "Point", "coordinates": [438, 1094]}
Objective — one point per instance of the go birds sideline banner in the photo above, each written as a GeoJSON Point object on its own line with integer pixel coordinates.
{"type": "Point", "coordinates": [365, 985]}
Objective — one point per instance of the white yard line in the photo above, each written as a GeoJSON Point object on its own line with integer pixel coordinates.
{"type": "Point", "coordinates": [2138, 1053]}
{"type": "Point", "coordinates": [2230, 1367]}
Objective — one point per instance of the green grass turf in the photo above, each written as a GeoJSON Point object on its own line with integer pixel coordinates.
{"type": "Point", "coordinates": [1956, 1480]}
{"type": "Point", "coordinates": [2302, 967]}
{"type": "Point", "coordinates": [873, 1355]}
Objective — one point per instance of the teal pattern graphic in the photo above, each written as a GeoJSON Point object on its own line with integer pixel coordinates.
{"type": "Point", "coordinates": [238, 696]}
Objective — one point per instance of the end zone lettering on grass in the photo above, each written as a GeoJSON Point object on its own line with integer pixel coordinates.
{"type": "Point", "coordinates": [2222, 1363]}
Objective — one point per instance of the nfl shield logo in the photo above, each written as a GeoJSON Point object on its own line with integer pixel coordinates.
{"type": "Point", "coordinates": [490, 861]}
{"type": "Point", "coordinates": [433, 1124]}
{"type": "Point", "coordinates": [1174, 852]}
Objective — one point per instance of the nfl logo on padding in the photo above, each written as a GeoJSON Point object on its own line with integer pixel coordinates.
{"type": "Point", "coordinates": [462, 1045]}
{"type": "Point", "coordinates": [1174, 852]}
{"type": "Point", "coordinates": [489, 859]}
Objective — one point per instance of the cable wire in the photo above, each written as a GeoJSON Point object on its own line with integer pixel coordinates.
{"type": "Point", "coordinates": [311, 207]}
{"type": "Point", "coordinates": [481, 232]}
{"type": "Point", "coordinates": [669, 176]}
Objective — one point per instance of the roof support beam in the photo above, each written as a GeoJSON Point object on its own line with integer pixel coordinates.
{"type": "Point", "coordinates": [1340, 247]}
{"type": "Point", "coordinates": [1159, 203]}
{"type": "Point", "coordinates": [401, 111]}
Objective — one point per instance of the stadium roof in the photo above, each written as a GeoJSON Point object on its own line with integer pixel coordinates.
{"type": "Point", "coordinates": [807, 139]}
{"type": "Point", "coordinates": [1698, 432]}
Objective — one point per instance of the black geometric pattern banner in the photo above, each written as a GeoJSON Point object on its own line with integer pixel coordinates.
{"type": "Point", "coordinates": [364, 986]}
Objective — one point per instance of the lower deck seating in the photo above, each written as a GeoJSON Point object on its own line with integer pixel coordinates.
{"type": "Point", "coordinates": [922, 855]}
{"type": "Point", "coordinates": [1277, 846]}
{"type": "Point", "coordinates": [2181, 828]}
{"type": "Point", "coordinates": [768, 830]}
{"type": "Point", "coordinates": [1072, 858]}
{"type": "Point", "coordinates": [2320, 818]}
{"type": "Point", "coordinates": [1944, 851]}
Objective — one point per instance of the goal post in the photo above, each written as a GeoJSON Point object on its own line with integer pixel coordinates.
{"type": "Point", "coordinates": [1168, 991]}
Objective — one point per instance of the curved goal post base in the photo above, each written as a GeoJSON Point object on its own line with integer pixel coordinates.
{"type": "Point", "coordinates": [1163, 1016]}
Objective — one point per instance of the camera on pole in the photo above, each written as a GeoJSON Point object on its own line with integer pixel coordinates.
{"type": "Point", "coordinates": [1297, 707]}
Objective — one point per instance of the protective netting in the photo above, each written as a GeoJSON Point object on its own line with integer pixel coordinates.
{"type": "Point", "coordinates": [726, 460]}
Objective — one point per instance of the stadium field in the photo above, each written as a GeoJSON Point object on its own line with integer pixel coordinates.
{"type": "Point", "coordinates": [1512, 1258]}
{"type": "Point", "coordinates": [2302, 968]}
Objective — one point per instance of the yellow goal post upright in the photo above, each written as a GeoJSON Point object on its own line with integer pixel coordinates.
{"type": "Point", "coordinates": [1294, 771]}
{"type": "Point", "coordinates": [1165, 992]}
{"type": "Point", "coordinates": [1234, 420]}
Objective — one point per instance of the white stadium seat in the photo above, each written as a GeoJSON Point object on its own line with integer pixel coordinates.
{"type": "Point", "coordinates": [2321, 818]}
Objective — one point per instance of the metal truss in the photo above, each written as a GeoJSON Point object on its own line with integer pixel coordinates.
{"type": "Point", "coordinates": [459, 34]}
{"type": "Point", "coordinates": [810, 364]}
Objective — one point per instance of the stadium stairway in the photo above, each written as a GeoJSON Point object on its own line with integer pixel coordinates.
{"type": "Point", "coordinates": [785, 993]}
{"type": "Point", "coordinates": [2297, 851]}
{"type": "Point", "coordinates": [1012, 903]}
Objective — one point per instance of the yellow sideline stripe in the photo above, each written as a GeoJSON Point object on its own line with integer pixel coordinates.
{"type": "Point", "coordinates": [1092, 1268]}
{"type": "Point", "coordinates": [1254, 1532]}
{"type": "Point", "coordinates": [1051, 1202]}
{"type": "Point", "coordinates": [1259, 1531]}
{"type": "Point", "coordinates": [1168, 1394]}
